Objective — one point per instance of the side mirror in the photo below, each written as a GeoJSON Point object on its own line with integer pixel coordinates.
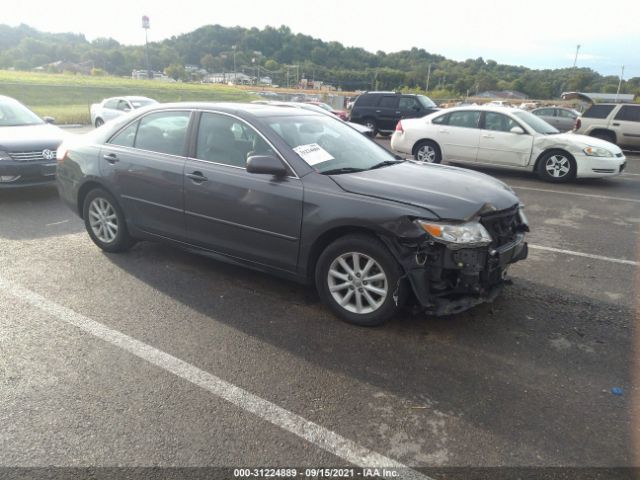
{"type": "Point", "coordinates": [517, 130]}
{"type": "Point", "coordinates": [49, 119]}
{"type": "Point", "coordinates": [267, 165]}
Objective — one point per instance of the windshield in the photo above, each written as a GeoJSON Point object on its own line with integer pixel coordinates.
{"type": "Point", "coordinates": [14, 114]}
{"type": "Point", "coordinates": [538, 124]}
{"type": "Point", "coordinates": [426, 101]}
{"type": "Point", "coordinates": [139, 103]}
{"type": "Point", "coordinates": [328, 145]}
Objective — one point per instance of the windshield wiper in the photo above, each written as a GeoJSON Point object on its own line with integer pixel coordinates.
{"type": "Point", "coordinates": [386, 163]}
{"type": "Point", "coordinates": [338, 171]}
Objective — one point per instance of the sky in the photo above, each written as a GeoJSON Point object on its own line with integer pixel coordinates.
{"type": "Point", "coordinates": [540, 34]}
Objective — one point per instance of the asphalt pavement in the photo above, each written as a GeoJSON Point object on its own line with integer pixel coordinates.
{"type": "Point", "coordinates": [159, 357]}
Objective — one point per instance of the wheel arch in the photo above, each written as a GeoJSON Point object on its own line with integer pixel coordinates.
{"type": "Point", "coordinates": [605, 131]}
{"type": "Point", "coordinates": [84, 190]}
{"type": "Point", "coordinates": [327, 238]}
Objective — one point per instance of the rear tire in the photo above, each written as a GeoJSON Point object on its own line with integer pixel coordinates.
{"type": "Point", "coordinates": [105, 222]}
{"type": "Point", "coordinates": [371, 124]}
{"type": "Point", "coordinates": [427, 151]}
{"type": "Point", "coordinates": [557, 166]}
{"type": "Point", "coordinates": [357, 277]}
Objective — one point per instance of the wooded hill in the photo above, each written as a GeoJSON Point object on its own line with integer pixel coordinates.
{"type": "Point", "coordinates": [286, 57]}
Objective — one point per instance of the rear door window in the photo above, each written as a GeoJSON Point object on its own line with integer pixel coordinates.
{"type": "Point", "coordinates": [565, 114]}
{"type": "Point", "coordinates": [441, 120]}
{"type": "Point", "coordinates": [126, 137]}
{"type": "Point", "coordinates": [366, 100]}
{"type": "Point", "coordinates": [544, 112]}
{"type": "Point", "coordinates": [389, 102]}
{"type": "Point", "coordinates": [113, 103]}
{"type": "Point", "coordinates": [598, 111]}
{"type": "Point", "coordinates": [163, 132]}
{"type": "Point", "coordinates": [629, 113]}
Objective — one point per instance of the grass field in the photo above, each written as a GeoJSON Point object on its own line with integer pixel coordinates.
{"type": "Point", "coordinates": [67, 97]}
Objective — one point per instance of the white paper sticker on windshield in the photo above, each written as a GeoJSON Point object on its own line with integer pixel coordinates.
{"type": "Point", "coordinates": [313, 153]}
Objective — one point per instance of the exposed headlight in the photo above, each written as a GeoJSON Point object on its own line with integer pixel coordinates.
{"type": "Point", "coordinates": [597, 152]}
{"type": "Point", "coordinates": [4, 156]}
{"type": "Point", "coordinates": [457, 235]}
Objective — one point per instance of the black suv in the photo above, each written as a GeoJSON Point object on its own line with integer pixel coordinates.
{"type": "Point", "coordinates": [381, 111]}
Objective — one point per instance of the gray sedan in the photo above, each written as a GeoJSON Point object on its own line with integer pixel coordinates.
{"type": "Point", "coordinates": [300, 195]}
{"type": "Point", "coordinates": [564, 119]}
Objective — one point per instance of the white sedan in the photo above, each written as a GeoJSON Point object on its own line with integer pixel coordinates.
{"type": "Point", "coordinates": [115, 107]}
{"type": "Point", "coordinates": [508, 138]}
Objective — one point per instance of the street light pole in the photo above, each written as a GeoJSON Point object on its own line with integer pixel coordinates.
{"type": "Point", "coordinates": [575, 60]}
{"type": "Point", "coordinates": [146, 26]}
{"type": "Point", "coordinates": [235, 73]}
{"type": "Point", "coordinates": [620, 83]}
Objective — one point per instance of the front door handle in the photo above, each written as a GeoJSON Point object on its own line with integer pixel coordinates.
{"type": "Point", "coordinates": [197, 177]}
{"type": "Point", "coordinates": [443, 131]}
{"type": "Point", "coordinates": [111, 158]}
{"type": "Point", "coordinates": [616, 124]}
{"type": "Point", "coordinates": [488, 136]}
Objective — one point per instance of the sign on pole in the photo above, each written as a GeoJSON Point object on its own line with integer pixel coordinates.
{"type": "Point", "coordinates": [145, 22]}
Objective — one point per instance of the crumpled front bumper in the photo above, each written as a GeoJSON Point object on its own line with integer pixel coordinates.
{"type": "Point", "coordinates": [451, 281]}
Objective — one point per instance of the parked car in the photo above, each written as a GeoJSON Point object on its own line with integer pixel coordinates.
{"type": "Point", "coordinates": [28, 146]}
{"type": "Point", "coordinates": [115, 107]}
{"type": "Point", "coordinates": [380, 111]}
{"type": "Point", "coordinates": [300, 195]}
{"type": "Point", "coordinates": [617, 123]}
{"type": "Point", "coordinates": [325, 106]}
{"type": "Point", "coordinates": [315, 108]}
{"type": "Point", "coordinates": [509, 138]}
{"type": "Point", "coordinates": [564, 119]}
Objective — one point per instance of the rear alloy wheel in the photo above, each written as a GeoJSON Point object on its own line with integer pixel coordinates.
{"type": "Point", "coordinates": [105, 222]}
{"type": "Point", "coordinates": [371, 125]}
{"type": "Point", "coordinates": [99, 122]}
{"type": "Point", "coordinates": [427, 152]}
{"type": "Point", "coordinates": [557, 167]}
{"type": "Point", "coordinates": [357, 278]}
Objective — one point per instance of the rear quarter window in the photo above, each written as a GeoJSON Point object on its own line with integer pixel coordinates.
{"type": "Point", "coordinates": [598, 111]}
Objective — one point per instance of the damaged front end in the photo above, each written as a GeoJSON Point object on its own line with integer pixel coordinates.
{"type": "Point", "coordinates": [455, 266]}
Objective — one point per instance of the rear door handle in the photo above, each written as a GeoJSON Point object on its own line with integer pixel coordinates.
{"type": "Point", "coordinates": [443, 131]}
{"type": "Point", "coordinates": [378, 111]}
{"type": "Point", "coordinates": [197, 177]}
{"type": "Point", "coordinates": [488, 136]}
{"type": "Point", "coordinates": [616, 124]}
{"type": "Point", "coordinates": [111, 158]}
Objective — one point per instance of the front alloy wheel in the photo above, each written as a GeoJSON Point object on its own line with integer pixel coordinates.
{"type": "Point", "coordinates": [358, 283]}
{"type": "Point", "coordinates": [360, 280]}
{"type": "Point", "coordinates": [103, 220]}
{"type": "Point", "coordinates": [557, 167]}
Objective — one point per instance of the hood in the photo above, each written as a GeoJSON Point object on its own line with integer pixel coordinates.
{"type": "Point", "coordinates": [448, 192]}
{"type": "Point", "coordinates": [581, 141]}
{"type": "Point", "coordinates": [31, 137]}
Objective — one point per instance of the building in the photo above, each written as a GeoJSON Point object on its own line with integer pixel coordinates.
{"type": "Point", "coordinates": [503, 94]}
{"type": "Point", "coordinates": [144, 75]}
{"type": "Point", "coordinates": [229, 77]}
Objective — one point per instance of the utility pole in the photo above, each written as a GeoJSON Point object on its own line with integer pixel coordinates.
{"type": "Point", "coordinates": [146, 26]}
{"type": "Point", "coordinates": [620, 83]}
{"type": "Point", "coordinates": [575, 60]}
{"type": "Point", "coordinates": [235, 73]}
{"type": "Point", "coordinates": [428, 78]}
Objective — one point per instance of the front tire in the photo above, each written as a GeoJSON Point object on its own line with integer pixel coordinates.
{"type": "Point", "coordinates": [357, 277]}
{"type": "Point", "coordinates": [99, 122]}
{"type": "Point", "coordinates": [105, 222]}
{"type": "Point", "coordinates": [557, 166]}
{"type": "Point", "coordinates": [428, 152]}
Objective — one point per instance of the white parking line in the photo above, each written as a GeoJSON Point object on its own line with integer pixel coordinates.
{"type": "Point", "coordinates": [589, 195]}
{"type": "Point", "coordinates": [587, 255]}
{"type": "Point", "coordinates": [278, 416]}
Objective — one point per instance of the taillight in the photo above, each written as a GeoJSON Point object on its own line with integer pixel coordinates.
{"type": "Point", "coordinates": [399, 127]}
{"type": "Point", "coordinates": [578, 123]}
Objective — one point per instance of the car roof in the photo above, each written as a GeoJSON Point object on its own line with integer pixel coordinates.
{"type": "Point", "coordinates": [255, 109]}
{"type": "Point", "coordinates": [482, 108]}
{"type": "Point", "coordinates": [129, 97]}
